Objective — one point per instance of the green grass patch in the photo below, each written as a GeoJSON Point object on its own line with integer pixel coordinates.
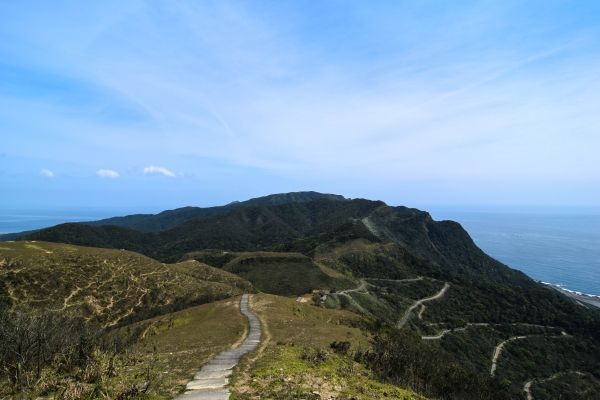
{"type": "Point", "coordinates": [35, 247]}
{"type": "Point", "coordinates": [69, 248]}
{"type": "Point", "coordinates": [314, 373]}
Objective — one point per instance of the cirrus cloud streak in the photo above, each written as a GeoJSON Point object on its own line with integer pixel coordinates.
{"type": "Point", "coordinates": [107, 173]}
{"type": "Point", "coordinates": [159, 170]}
{"type": "Point", "coordinates": [46, 173]}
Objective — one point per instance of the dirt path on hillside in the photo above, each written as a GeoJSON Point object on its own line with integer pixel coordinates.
{"type": "Point", "coordinates": [499, 348]}
{"type": "Point", "coordinates": [360, 287]}
{"type": "Point", "coordinates": [211, 381]}
{"type": "Point", "coordinates": [419, 278]}
{"type": "Point", "coordinates": [527, 386]}
{"type": "Point", "coordinates": [419, 302]}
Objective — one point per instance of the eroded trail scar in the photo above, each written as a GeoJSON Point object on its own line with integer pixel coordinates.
{"type": "Point", "coordinates": [211, 381]}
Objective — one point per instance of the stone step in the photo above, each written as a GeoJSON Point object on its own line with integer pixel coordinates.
{"type": "Point", "coordinates": [214, 394]}
{"type": "Point", "coordinates": [209, 383]}
{"type": "Point", "coordinates": [214, 383]}
{"type": "Point", "coordinates": [212, 374]}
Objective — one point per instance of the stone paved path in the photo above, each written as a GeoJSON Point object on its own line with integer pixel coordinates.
{"type": "Point", "coordinates": [210, 382]}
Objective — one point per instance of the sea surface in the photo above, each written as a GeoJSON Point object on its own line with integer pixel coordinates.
{"type": "Point", "coordinates": [26, 220]}
{"type": "Point", "coordinates": [558, 246]}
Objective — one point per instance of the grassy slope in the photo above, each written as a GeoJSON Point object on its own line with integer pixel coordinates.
{"type": "Point", "coordinates": [109, 286]}
{"type": "Point", "coordinates": [291, 329]}
{"type": "Point", "coordinates": [178, 344]}
{"type": "Point", "coordinates": [285, 273]}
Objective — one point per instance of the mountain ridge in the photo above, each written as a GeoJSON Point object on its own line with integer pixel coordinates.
{"type": "Point", "coordinates": [169, 219]}
{"type": "Point", "coordinates": [265, 228]}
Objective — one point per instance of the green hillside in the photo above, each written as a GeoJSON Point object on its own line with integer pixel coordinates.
{"type": "Point", "coordinates": [171, 218]}
{"type": "Point", "coordinates": [111, 287]}
{"type": "Point", "coordinates": [301, 227]}
{"type": "Point", "coordinates": [285, 273]}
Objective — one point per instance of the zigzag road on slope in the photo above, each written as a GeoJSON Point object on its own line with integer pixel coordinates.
{"type": "Point", "coordinates": [443, 333]}
{"type": "Point", "coordinates": [419, 302]}
{"type": "Point", "coordinates": [419, 278]}
{"type": "Point", "coordinates": [527, 386]}
{"type": "Point", "coordinates": [499, 348]}
{"type": "Point", "coordinates": [210, 382]}
{"type": "Point", "coordinates": [360, 287]}
{"type": "Point", "coordinates": [446, 331]}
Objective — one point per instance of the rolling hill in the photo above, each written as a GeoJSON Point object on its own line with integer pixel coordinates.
{"type": "Point", "coordinates": [111, 287]}
{"type": "Point", "coordinates": [300, 227]}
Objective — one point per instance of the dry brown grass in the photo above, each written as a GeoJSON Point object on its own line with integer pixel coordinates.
{"type": "Point", "coordinates": [107, 286]}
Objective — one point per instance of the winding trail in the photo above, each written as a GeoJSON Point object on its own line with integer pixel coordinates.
{"type": "Point", "coordinates": [419, 302]}
{"type": "Point", "coordinates": [360, 287]}
{"type": "Point", "coordinates": [498, 350]}
{"type": "Point", "coordinates": [210, 382]}
{"type": "Point", "coordinates": [443, 333]}
{"type": "Point", "coordinates": [419, 278]}
{"type": "Point", "coordinates": [527, 390]}
{"type": "Point", "coordinates": [527, 386]}
{"type": "Point", "coordinates": [439, 336]}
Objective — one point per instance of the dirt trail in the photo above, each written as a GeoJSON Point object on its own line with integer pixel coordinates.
{"type": "Point", "coordinates": [419, 278]}
{"type": "Point", "coordinates": [527, 386]}
{"type": "Point", "coordinates": [499, 348]}
{"type": "Point", "coordinates": [360, 287]}
{"type": "Point", "coordinates": [419, 302]}
{"type": "Point", "coordinates": [439, 336]}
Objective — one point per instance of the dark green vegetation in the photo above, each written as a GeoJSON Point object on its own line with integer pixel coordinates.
{"type": "Point", "coordinates": [171, 218]}
{"type": "Point", "coordinates": [571, 385]}
{"type": "Point", "coordinates": [403, 359]}
{"type": "Point", "coordinates": [284, 273]}
{"type": "Point", "coordinates": [302, 227]}
{"type": "Point", "coordinates": [5, 237]}
{"type": "Point", "coordinates": [400, 253]}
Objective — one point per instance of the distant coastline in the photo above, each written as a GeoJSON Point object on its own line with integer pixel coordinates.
{"type": "Point", "coordinates": [581, 297]}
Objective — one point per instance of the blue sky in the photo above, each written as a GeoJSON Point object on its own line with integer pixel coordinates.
{"type": "Point", "coordinates": [166, 104]}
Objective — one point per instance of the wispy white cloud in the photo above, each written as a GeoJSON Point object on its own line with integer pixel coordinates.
{"type": "Point", "coordinates": [46, 173]}
{"type": "Point", "coordinates": [107, 173]}
{"type": "Point", "coordinates": [159, 170]}
{"type": "Point", "coordinates": [317, 93]}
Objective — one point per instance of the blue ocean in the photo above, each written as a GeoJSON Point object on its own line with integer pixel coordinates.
{"type": "Point", "coordinates": [560, 246]}
{"type": "Point", "coordinates": [30, 219]}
